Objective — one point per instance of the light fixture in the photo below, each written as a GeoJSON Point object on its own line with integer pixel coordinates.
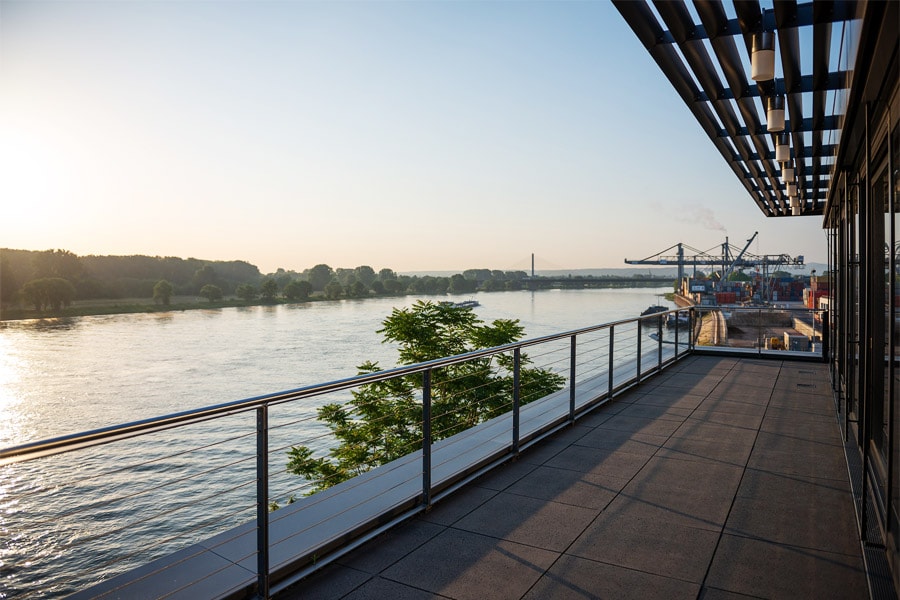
{"type": "Point", "coordinates": [762, 56]}
{"type": "Point", "coordinates": [782, 147]}
{"type": "Point", "coordinates": [775, 113]}
{"type": "Point", "coordinates": [795, 202]}
{"type": "Point", "coordinates": [791, 189]}
{"type": "Point", "coordinates": [787, 171]}
{"type": "Point", "coordinates": [795, 211]}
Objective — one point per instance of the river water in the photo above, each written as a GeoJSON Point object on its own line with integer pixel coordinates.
{"type": "Point", "coordinates": [62, 376]}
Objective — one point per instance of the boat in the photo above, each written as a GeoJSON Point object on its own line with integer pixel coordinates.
{"type": "Point", "coordinates": [467, 304]}
{"type": "Point", "coordinates": [651, 310]}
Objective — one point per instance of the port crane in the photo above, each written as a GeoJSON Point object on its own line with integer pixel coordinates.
{"type": "Point", "coordinates": [726, 257]}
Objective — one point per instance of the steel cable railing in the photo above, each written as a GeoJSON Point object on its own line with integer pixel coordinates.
{"type": "Point", "coordinates": [197, 473]}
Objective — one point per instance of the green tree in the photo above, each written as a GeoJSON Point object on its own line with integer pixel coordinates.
{"type": "Point", "coordinates": [366, 274]}
{"type": "Point", "coordinates": [383, 420]}
{"type": "Point", "coordinates": [246, 292]}
{"type": "Point", "coordinates": [205, 275]}
{"type": "Point", "coordinates": [57, 263]}
{"type": "Point", "coordinates": [459, 284]}
{"type": "Point", "coordinates": [268, 289]}
{"type": "Point", "coordinates": [357, 290]}
{"type": "Point", "coordinates": [739, 276]}
{"type": "Point", "coordinates": [48, 293]}
{"type": "Point", "coordinates": [211, 292]}
{"type": "Point", "coordinates": [8, 284]}
{"type": "Point", "coordinates": [320, 276]}
{"type": "Point", "coordinates": [334, 290]}
{"type": "Point", "coordinates": [162, 292]}
{"type": "Point", "coordinates": [297, 290]}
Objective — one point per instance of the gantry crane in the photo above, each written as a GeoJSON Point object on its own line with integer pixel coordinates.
{"type": "Point", "coordinates": [726, 257]}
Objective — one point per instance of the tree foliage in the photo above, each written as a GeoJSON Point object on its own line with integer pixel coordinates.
{"type": "Point", "coordinates": [211, 292]}
{"type": "Point", "coordinates": [268, 289]}
{"type": "Point", "coordinates": [246, 292]}
{"type": "Point", "coordinates": [162, 292]}
{"type": "Point", "coordinates": [297, 290]}
{"type": "Point", "coordinates": [48, 293]}
{"type": "Point", "coordinates": [383, 420]}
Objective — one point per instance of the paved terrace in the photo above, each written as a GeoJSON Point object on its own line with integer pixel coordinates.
{"type": "Point", "coordinates": [719, 478]}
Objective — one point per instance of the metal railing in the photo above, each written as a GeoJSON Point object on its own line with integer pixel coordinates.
{"type": "Point", "coordinates": [762, 330]}
{"type": "Point", "coordinates": [83, 508]}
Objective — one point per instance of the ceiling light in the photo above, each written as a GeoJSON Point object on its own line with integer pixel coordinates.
{"type": "Point", "coordinates": [795, 211]}
{"type": "Point", "coordinates": [775, 113]}
{"type": "Point", "coordinates": [762, 56]}
{"type": "Point", "coordinates": [787, 172]}
{"type": "Point", "coordinates": [782, 147]}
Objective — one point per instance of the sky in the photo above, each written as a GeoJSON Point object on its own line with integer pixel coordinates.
{"type": "Point", "coordinates": [409, 135]}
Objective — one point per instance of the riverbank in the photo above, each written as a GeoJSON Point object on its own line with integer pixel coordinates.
{"type": "Point", "coordinates": [86, 308]}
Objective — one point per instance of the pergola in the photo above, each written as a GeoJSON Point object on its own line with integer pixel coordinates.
{"type": "Point", "coordinates": [784, 161]}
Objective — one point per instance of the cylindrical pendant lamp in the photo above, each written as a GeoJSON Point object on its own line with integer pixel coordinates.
{"type": "Point", "coordinates": [762, 56]}
{"type": "Point", "coordinates": [775, 113]}
{"type": "Point", "coordinates": [792, 189]}
{"type": "Point", "coordinates": [787, 172]}
{"type": "Point", "coordinates": [795, 202]}
{"type": "Point", "coordinates": [782, 147]}
{"type": "Point", "coordinates": [795, 211]}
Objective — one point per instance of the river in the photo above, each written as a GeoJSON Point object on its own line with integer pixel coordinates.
{"type": "Point", "coordinates": [60, 376]}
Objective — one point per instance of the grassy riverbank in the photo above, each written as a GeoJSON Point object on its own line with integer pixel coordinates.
{"type": "Point", "coordinates": [82, 308]}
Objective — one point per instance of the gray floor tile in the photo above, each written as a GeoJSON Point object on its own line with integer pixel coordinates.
{"type": "Point", "coordinates": [704, 508]}
{"type": "Point", "coordinates": [724, 405]}
{"type": "Point", "coordinates": [759, 568]}
{"type": "Point", "coordinates": [573, 578]}
{"type": "Point", "coordinates": [623, 441]}
{"type": "Point", "coordinates": [539, 523]}
{"type": "Point", "coordinates": [569, 487]}
{"type": "Point", "coordinates": [653, 411]}
{"type": "Point", "coordinates": [727, 451]}
{"type": "Point", "coordinates": [507, 474]}
{"type": "Point", "coordinates": [802, 465]}
{"type": "Point", "coordinates": [381, 589]}
{"type": "Point", "coordinates": [650, 545]}
{"type": "Point", "coordinates": [689, 474]}
{"type": "Point", "coordinates": [384, 550]}
{"type": "Point", "coordinates": [674, 398]}
{"type": "Point", "coordinates": [331, 583]}
{"type": "Point", "coordinates": [599, 461]}
{"type": "Point", "coordinates": [708, 593]}
{"type": "Point", "coordinates": [804, 524]}
{"type": "Point", "coordinates": [467, 566]}
{"type": "Point", "coordinates": [449, 510]}
{"type": "Point", "coordinates": [704, 429]}
{"type": "Point", "coordinates": [640, 425]}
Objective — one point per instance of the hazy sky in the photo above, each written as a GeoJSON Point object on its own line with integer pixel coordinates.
{"type": "Point", "coordinates": [410, 135]}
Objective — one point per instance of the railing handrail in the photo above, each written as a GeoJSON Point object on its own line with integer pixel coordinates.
{"type": "Point", "coordinates": [104, 435]}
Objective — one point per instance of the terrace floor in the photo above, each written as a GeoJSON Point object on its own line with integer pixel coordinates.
{"type": "Point", "coordinates": [719, 478]}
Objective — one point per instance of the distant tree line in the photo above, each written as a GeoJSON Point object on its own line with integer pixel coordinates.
{"type": "Point", "coordinates": [52, 279]}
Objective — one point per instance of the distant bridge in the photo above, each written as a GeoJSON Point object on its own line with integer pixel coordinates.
{"type": "Point", "coordinates": [538, 282]}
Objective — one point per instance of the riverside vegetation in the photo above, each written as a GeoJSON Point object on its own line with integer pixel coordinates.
{"type": "Point", "coordinates": [59, 283]}
{"type": "Point", "coordinates": [383, 420]}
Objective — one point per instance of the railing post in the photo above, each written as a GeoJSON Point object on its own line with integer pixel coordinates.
{"type": "Point", "coordinates": [759, 332]}
{"type": "Point", "coordinates": [677, 314]}
{"type": "Point", "coordinates": [517, 363]}
{"type": "Point", "coordinates": [692, 326]}
{"type": "Point", "coordinates": [262, 501]}
{"type": "Point", "coordinates": [426, 438]}
{"type": "Point", "coordinates": [612, 331]}
{"type": "Point", "coordinates": [572, 356]}
{"type": "Point", "coordinates": [639, 325]}
{"type": "Point", "coordinates": [659, 334]}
